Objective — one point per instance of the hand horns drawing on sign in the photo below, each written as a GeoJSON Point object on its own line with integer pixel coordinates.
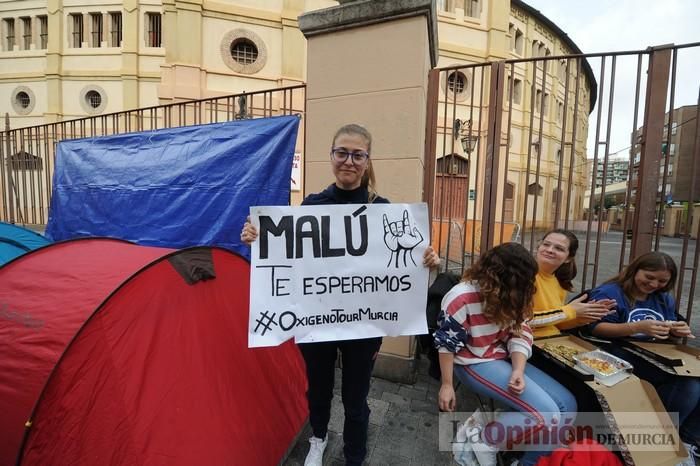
{"type": "Point", "coordinates": [401, 238]}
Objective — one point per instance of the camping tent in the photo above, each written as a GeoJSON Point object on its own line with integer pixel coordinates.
{"type": "Point", "coordinates": [15, 241]}
{"type": "Point", "coordinates": [113, 353]}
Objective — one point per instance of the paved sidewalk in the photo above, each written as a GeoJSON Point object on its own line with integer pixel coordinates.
{"type": "Point", "coordinates": [403, 426]}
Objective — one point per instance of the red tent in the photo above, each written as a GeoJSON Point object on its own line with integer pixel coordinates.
{"type": "Point", "coordinates": [112, 353]}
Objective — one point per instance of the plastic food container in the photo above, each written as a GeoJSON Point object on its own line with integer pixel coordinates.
{"type": "Point", "coordinates": [601, 364]}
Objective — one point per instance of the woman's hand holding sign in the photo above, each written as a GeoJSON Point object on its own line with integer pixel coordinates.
{"type": "Point", "coordinates": [249, 232]}
{"type": "Point", "coordinates": [431, 258]}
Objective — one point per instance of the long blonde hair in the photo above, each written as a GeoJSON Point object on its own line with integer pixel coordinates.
{"type": "Point", "coordinates": [368, 179]}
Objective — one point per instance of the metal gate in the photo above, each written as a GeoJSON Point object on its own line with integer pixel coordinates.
{"type": "Point", "coordinates": [28, 153]}
{"type": "Point", "coordinates": [516, 137]}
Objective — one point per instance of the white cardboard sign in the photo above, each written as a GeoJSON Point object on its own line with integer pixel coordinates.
{"type": "Point", "coordinates": [337, 272]}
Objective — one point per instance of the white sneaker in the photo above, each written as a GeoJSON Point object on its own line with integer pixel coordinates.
{"type": "Point", "coordinates": [693, 450]}
{"type": "Point", "coordinates": [462, 448]}
{"type": "Point", "coordinates": [315, 455]}
{"type": "Point", "coordinates": [485, 454]}
{"type": "Point", "coordinates": [690, 460]}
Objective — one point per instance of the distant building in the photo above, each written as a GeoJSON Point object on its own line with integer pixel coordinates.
{"type": "Point", "coordinates": [678, 155]}
{"type": "Point", "coordinates": [618, 171]}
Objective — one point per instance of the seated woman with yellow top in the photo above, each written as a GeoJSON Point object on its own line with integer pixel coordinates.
{"type": "Point", "coordinates": [555, 258]}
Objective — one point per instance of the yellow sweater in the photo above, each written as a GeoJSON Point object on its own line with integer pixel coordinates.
{"type": "Point", "coordinates": [550, 312]}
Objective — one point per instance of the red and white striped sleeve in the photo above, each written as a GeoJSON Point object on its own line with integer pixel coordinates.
{"type": "Point", "coordinates": [522, 342]}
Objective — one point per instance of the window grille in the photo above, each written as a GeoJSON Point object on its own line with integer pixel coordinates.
{"type": "Point", "coordinates": [93, 99]}
{"type": "Point", "coordinates": [26, 33]}
{"type": "Point", "coordinates": [77, 20]}
{"type": "Point", "coordinates": [10, 34]}
{"type": "Point", "coordinates": [244, 51]}
{"type": "Point", "coordinates": [23, 99]}
{"type": "Point", "coordinates": [116, 33]}
{"type": "Point", "coordinates": [96, 31]}
{"type": "Point", "coordinates": [456, 82]}
{"type": "Point", "coordinates": [154, 32]}
{"type": "Point", "coordinates": [43, 32]}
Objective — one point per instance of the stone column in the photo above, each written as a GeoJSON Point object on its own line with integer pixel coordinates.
{"type": "Point", "coordinates": [131, 44]}
{"type": "Point", "coordinates": [106, 30]}
{"type": "Point", "coordinates": [293, 44]}
{"type": "Point", "coordinates": [368, 63]}
{"type": "Point", "coordinates": [87, 29]}
{"type": "Point", "coordinates": [181, 73]}
{"type": "Point", "coordinates": [54, 58]}
{"type": "Point", "coordinates": [34, 20]}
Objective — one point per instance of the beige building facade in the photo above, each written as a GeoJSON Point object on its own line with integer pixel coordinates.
{"type": "Point", "coordinates": [65, 59]}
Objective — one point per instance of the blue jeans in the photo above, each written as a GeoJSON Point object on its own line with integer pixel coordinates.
{"type": "Point", "coordinates": [543, 404]}
{"type": "Point", "coordinates": [682, 394]}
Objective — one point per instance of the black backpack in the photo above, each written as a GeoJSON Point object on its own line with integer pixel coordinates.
{"type": "Point", "coordinates": [442, 284]}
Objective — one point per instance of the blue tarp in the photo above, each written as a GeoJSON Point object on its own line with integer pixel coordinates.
{"type": "Point", "coordinates": [174, 187]}
{"type": "Point", "coordinates": [15, 241]}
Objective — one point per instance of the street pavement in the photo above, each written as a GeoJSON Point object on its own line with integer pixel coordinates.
{"type": "Point", "coordinates": [403, 426]}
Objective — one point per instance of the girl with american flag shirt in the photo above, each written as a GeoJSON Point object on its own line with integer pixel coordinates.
{"type": "Point", "coordinates": [485, 342]}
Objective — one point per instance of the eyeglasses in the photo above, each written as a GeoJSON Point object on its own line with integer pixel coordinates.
{"type": "Point", "coordinates": [340, 154]}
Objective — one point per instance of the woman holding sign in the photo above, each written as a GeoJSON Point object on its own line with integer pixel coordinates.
{"type": "Point", "coordinates": [354, 184]}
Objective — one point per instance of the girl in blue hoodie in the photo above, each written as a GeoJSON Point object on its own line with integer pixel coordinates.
{"type": "Point", "coordinates": [645, 310]}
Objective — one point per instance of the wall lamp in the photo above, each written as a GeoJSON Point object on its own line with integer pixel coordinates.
{"type": "Point", "coordinates": [462, 130]}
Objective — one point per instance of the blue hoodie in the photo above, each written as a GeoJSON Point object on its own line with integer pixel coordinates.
{"type": "Point", "coordinates": [334, 195]}
{"type": "Point", "coordinates": [657, 306]}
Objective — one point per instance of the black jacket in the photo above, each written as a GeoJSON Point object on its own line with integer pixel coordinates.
{"type": "Point", "coordinates": [334, 195]}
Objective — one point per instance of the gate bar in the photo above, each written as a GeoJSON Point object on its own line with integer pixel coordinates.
{"type": "Point", "coordinates": [652, 137]}
{"type": "Point", "coordinates": [493, 150]}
